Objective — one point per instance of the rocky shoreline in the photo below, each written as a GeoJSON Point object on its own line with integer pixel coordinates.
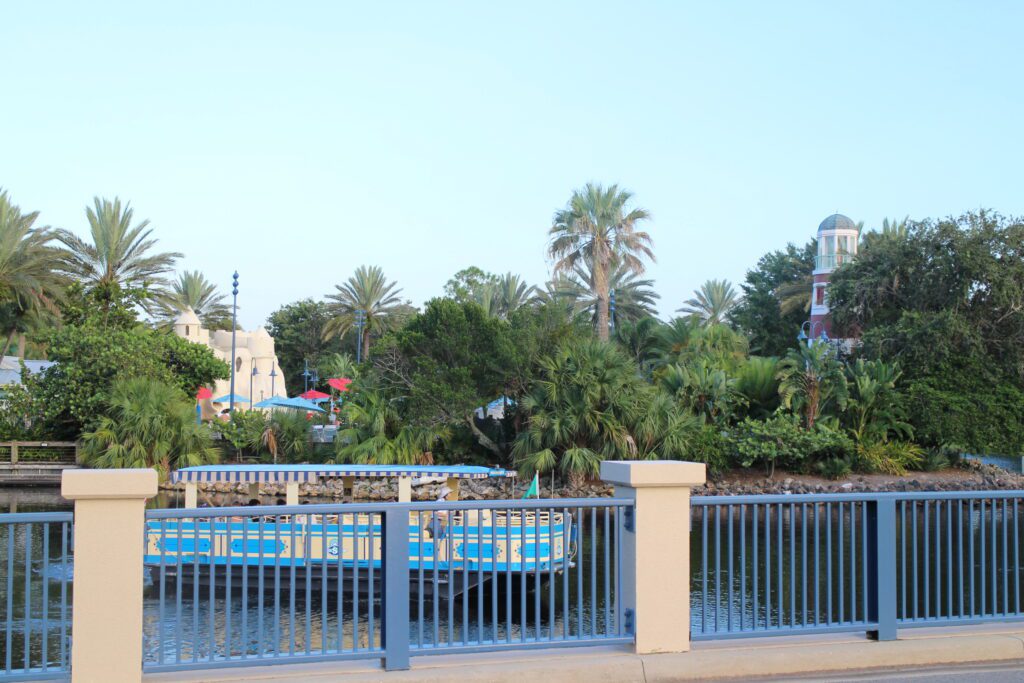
{"type": "Point", "coordinates": [968, 476]}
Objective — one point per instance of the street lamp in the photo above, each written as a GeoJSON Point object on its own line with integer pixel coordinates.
{"type": "Point", "coordinates": [252, 377]}
{"type": "Point", "coordinates": [808, 329]}
{"type": "Point", "coordinates": [306, 374]}
{"type": "Point", "coordinates": [234, 324]}
{"type": "Point", "coordinates": [273, 377]}
{"type": "Point", "coordinates": [360, 324]}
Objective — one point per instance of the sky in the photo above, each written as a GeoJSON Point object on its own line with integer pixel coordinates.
{"type": "Point", "coordinates": [296, 141]}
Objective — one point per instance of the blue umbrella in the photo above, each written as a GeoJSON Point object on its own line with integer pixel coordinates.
{"type": "Point", "coordinates": [299, 404]}
{"type": "Point", "coordinates": [271, 402]}
{"type": "Point", "coordinates": [226, 398]}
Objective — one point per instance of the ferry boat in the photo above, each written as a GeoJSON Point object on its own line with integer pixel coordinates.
{"type": "Point", "coordinates": [450, 550]}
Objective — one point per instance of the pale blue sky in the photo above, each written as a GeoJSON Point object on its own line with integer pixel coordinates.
{"type": "Point", "coordinates": [296, 141]}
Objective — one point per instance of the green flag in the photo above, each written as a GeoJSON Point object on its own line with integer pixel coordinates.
{"type": "Point", "coordinates": [534, 489]}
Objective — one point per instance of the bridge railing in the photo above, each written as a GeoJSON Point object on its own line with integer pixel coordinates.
{"type": "Point", "coordinates": [250, 585]}
{"type": "Point", "coordinates": [786, 564]}
{"type": "Point", "coordinates": [35, 595]}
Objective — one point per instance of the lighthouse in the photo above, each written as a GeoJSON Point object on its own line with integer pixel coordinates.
{"type": "Point", "coordinates": [837, 244]}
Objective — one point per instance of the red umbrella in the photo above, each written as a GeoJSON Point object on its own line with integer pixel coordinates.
{"type": "Point", "coordinates": [203, 394]}
{"type": "Point", "coordinates": [339, 383]}
{"type": "Point", "coordinates": [313, 395]}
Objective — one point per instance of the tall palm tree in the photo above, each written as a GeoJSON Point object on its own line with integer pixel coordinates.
{"type": "Point", "coordinates": [712, 302]}
{"type": "Point", "coordinates": [31, 282]}
{"type": "Point", "coordinates": [120, 254]}
{"type": "Point", "coordinates": [598, 230]}
{"type": "Point", "coordinates": [370, 292]}
{"type": "Point", "coordinates": [192, 289]}
{"type": "Point", "coordinates": [512, 293]}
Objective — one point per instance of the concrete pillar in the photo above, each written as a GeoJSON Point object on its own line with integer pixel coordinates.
{"type": "Point", "coordinates": [453, 488]}
{"type": "Point", "coordinates": [348, 485]}
{"type": "Point", "coordinates": [109, 523]}
{"type": "Point", "coordinates": [291, 493]}
{"type": "Point", "coordinates": [191, 495]}
{"type": "Point", "coordinates": [404, 490]}
{"type": "Point", "coordinates": [254, 490]}
{"type": "Point", "coordinates": [656, 553]}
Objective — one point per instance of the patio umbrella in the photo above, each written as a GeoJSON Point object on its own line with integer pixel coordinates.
{"type": "Point", "coordinates": [226, 398]}
{"type": "Point", "coordinates": [339, 383]}
{"type": "Point", "coordinates": [298, 403]}
{"type": "Point", "coordinates": [271, 402]}
{"type": "Point", "coordinates": [314, 395]}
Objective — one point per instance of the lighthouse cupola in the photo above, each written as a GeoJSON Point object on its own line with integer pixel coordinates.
{"type": "Point", "coordinates": [837, 244]}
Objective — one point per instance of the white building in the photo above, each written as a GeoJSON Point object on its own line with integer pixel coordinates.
{"type": "Point", "coordinates": [257, 372]}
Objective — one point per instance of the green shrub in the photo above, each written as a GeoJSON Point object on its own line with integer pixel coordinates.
{"type": "Point", "coordinates": [780, 441]}
{"type": "Point", "coordinates": [711, 447]}
{"type": "Point", "coordinates": [889, 457]}
{"type": "Point", "coordinates": [833, 468]}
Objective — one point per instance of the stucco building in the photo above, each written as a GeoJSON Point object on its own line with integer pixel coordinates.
{"type": "Point", "coordinates": [257, 371]}
{"type": "Point", "coordinates": [838, 237]}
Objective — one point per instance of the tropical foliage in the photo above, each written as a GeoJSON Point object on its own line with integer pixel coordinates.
{"type": "Point", "coordinates": [713, 302]}
{"type": "Point", "coordinates": [148, 424]}
{"type": "Point", "coordinates": [193, 290]}
{"type": "Point", "coordinates": [366, 302]}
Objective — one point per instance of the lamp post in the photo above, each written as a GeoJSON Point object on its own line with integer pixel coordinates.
{"type": "Point", "coordinates": [360, 324]}
{"type": "Point", "coordinates": [273, 378]}
{"type": "Point", "coordinates": [306, 374]}
{"type": "Point", "coordinates": [611, 310]}
{"type": "Point", "coordinates": [252, 376]}
{"type": "Point", "coordinates": [807, 331]}
{"type": "Point", "coordinates": [234, 318]}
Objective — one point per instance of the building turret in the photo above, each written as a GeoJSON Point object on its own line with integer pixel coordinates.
{"type": "Point", "coordinates": [837, 244]}
{"type": "Point", "coordinates": [187, 325]}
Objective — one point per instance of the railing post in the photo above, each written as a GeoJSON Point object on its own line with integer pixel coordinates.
{"type": "Point", "coordinates": [14, 452]}
{"type": "Point", "coordinates": [106, 629]}
{"type": "Point", "coordinates": [881, 578]}
{"type": "Point", "coordinates": [395, 597]}
{"type": "Point", "coordinates": [656, 552]}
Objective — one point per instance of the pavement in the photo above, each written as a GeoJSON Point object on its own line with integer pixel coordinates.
{"type": "Point", "coordinates": [989, 653]}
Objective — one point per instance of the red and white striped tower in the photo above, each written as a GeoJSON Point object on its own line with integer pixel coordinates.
{"type": "Point", "coordinates": [837, 244]}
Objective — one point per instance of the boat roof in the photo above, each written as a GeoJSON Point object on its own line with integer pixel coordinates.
{"type": "Point", "coordinates": [312, 473]}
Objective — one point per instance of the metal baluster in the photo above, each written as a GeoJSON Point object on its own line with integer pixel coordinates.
{"type": "Point", "coordinates": [903, 559]}
{"type": "Point", "coordinates": [213, 586]}
{"type": "Point", "coordinates": [339, 594]}
{"type": "Point", "coordinates": [803, 563]}
{"type": "Point", "coordinates": [509, 515]}
{"type": "Point", "coordinates": [355, 582]}
{"type": "Point", "coordinates": [494, 577]}
{"type": "Point", "coordinates": [466, 576]}
{"type": "Point", "coordinates": [994, 591]}
{"type": "Point", "coordinates": [743, 568]}
{"type": "Point", "coordinates": [780, 577]}
{"type": "Point", "coordinates": [228, 571]}
{"type": "Point", "coordinates": [419, 578]}
{"type": "Point", "coordinates": [619, 514]}
{"type": "Point", "coordinates": [371, 590]}
{"type": "Point", "coordinates": [291, 585]}
{"type": "Point", "coordinates": [9, 613]}
{"type": "Point", "coordinates": [579, 576]}
{"type": "Point", "coordinates": [828, 563]}
{"type": "Point", "coordinates": [728, 604]}
{"type": "Point", "coordinates": [46, 595]}
{"type": "Point", "coordinates": [450, 538]}
{"type": "Point", "coordinates": [323, 584]}
{"type": "Point", "coordinates": [64, 531]}
{"type": "Point", "coordinates": [960, 557]}
{"type": "Point", "coordinates": [308, 571]}
{"type": "Point", "coordinates": [435, 595]}
{"type": "Point", "coordinates": [277, 585]}
{"type": "Point", "coordinates": [593, 572]}
{"type": "Point", "coordinates": [914, 548]}
{"type": "Point", "coordinates": [864, 558]}
{"type": "Point", "coordinates": [481, 630]}
{"type": "Point", "coordinates": [767, 566]}
{"type": "Point", "coordinates": [816, 509]}
{"type": "Point", "coordinates": [842, 564]}
{"type": "Point", "coordinates": [704, 571]}
{"type": "Point", "coordinates": [179, 585]}
{"type": "Point", "coordinates": [757, 560]}
{"type": "Point", "coordinates": [981, 553]}
{"type": "Point", "coordinates": [970, 548]}
{"type": "Point", "coordinates": [28, 594]}
{"type": "Point", "coordinates": [1006, 570]}
{"type": "Point", "coordinates": [607, 579]}
{"type": "Point", "coordinates": [853, 561]}
{"type": "Point", "coordinates": [949, 559]}
{"type": "Point", "coordinates": [1016, 559]}
{"type": "Point", "coordinates": [718, 563]}
{"type": "Point", "coordinates": [792, 566]}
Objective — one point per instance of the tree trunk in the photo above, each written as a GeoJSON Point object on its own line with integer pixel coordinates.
{"type": "Point", "coordinates": [482, 438]}
{"type": "Point", "coordinates": [21, 346]}
{"type": "Point", "coordinates": [601, 285]}
{"type": "Point", "coordinates": [10, 338]}
{"type": "Point", "coordinates": [366, 344]}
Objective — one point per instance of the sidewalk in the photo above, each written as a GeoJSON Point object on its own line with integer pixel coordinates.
{"type": "Point", "coordinates": [761, 658]}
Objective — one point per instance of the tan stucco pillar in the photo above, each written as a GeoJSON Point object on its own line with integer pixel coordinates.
{"type": "Point", "coordinates": [191, 495]}
{"type": "Point", "coordinates": [107, 621]}
{"type": "Point", "coordinates": [404, 490]}
{"type": "Point", "coordinates": [348, 485]}
{"type": "Point", "coordinates": [291, 493]}
{"type": "Point", "coordinates": [254, 490]}
{"type": "Point", "coordinates": [656, 554]}
{"type": "Point", "coordinates": [453, 488]}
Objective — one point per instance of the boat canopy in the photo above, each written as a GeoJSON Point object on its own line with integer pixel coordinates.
{"type": "Point", "coordinates": [258, 474]}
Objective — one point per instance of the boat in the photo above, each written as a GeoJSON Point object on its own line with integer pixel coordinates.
{"type": "Point", "coordinates": [450, 550]}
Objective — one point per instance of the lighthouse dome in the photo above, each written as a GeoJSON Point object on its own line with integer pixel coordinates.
{"type": "Point", "coordinates": [837, 221]}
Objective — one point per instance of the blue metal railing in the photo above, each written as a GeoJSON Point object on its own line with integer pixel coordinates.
{"type": "Point", "coordinates": [250, 585]}
{"type": "Point", "coordinates": [783, 564]}
{"type": "Point", "coordinates": [35, 595]}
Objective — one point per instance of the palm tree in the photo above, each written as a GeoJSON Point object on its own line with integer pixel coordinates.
{"type": "Point", "coordinates": [712, 302]}
{"type": "Point", "coordinates": [378, 435]}
{"type": "Point", "coordinates": [596, 229]}
{"type": "Point", "coordinates": [192, 289]}
{"type": "Point", "coordinates": [512, 293]}
{"type": "Point", "coordinates": [120, 254]}
{"type": "Point", "coordinates": [634, 298]}
{"type": "Point", "coordinates": [756, 381]}
{"type": "Point", "coordinates": [31, 283]}
{"type": "Point", "coordinates": [368, 294]}
{"type": "Point", "coordinates": [149, 424]}
{"type": "Point", "coordinates": [810, 378]}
